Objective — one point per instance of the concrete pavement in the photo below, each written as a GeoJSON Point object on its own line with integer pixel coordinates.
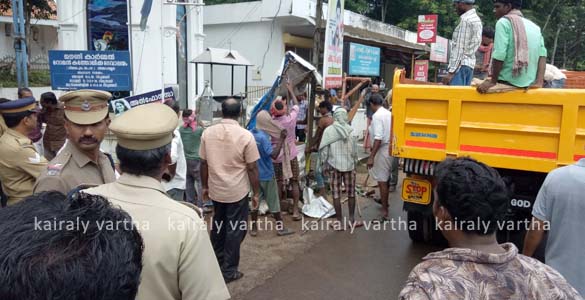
{"type": "Point", "coordinates": [368, 264]}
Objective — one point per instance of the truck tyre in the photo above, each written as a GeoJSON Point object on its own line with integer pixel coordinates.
{"type": "Point", "coordinates": [421, 233]}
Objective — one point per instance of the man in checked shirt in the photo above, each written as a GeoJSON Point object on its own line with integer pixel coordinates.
{"type": "Point", "coordinates": [466, 41]}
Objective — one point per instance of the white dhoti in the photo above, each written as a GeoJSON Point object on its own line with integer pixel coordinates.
{"type": "Point", "coordinates": [382, 168]}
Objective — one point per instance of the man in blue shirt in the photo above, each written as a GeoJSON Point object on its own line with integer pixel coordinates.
{"type": "Point", "coordinates": [268, 185]}
{"type": "Point", "coordinates": [559, 210]}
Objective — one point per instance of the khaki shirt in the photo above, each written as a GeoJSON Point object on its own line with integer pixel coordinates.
{"type": "Point", "coordinates": [179, 262]}
{"type": "Point", "coordinates": [20, 165]}
{"type": "Point", "coordinates": [71, 168]}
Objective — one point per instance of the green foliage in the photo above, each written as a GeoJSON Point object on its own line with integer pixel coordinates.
{"type": "Point", "coordinates": [39, 78]}
{"type": "Point", "coordinates": [39, 9]}
{"type": "Point", "coordinates": [560, 20]}
{"type": "Point", "coordinates": [358, 6]}
{"type": "Point", "coordinates": [35, 78]}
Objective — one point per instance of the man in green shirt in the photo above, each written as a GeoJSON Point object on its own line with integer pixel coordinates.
{"type": "Point", "coordinates": [519, 56]}
{"type": "Point", "coordinates": [191, 136]}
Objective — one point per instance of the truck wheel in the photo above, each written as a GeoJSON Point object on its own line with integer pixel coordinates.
{"type": "Point", "coordinates": [437, 238]}
{"type": "Point", "coordinates": [421, 233]}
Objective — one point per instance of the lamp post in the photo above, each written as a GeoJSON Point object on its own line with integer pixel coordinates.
{"type": "Point", "coordinates": [20, 43]}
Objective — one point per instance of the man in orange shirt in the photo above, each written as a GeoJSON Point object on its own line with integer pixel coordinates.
{"type": "Point", "coordinates": [228, 167]}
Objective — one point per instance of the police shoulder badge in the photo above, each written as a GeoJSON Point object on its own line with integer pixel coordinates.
{"type": "Point", "coordinates": [53, 170]}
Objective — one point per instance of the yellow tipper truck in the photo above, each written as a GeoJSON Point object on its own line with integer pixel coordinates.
{"type": "Point", "coordinates": [524, 134]}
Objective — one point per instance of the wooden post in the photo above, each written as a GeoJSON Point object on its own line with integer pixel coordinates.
{"type": "Point", "coordinates": [412, 67]}
{"type": "Point", "coordinates": [310, 126]}
{"type": "Point", "coordinates": [356, 106]}
{"type": "Point", "coordinates": [317, 38]}
{"type": "Point", "coordinates": [343, 88]}
{"type": "Point", "coordinates": [316, 55]}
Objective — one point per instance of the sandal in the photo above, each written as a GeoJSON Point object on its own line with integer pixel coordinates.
{"type": "Point", "coordinates": [285, 232]}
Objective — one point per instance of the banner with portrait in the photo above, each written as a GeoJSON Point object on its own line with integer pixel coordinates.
{"type": "Point", "coordinates": [119, 106]}
{"type": "Point", "coordinates": [333, 52]}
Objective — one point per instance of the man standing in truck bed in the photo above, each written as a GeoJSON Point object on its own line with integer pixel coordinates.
{"type": "Point", "coordinates": [466, 41]}
{"type": "Point", "coordinates": [519, 56]}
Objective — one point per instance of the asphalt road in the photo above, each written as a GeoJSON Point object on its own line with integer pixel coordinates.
{"type": "Point", "coordinates": [368, 264]}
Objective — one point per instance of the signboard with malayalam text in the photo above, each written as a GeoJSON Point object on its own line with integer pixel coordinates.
{"type": "Point", "coordinates": [427, 28]}
{"type": "Point", "coordinates": [333, 53]}
{"type": "Point", "coordinates": [421, 70]}
{"type": "Point", "coordinates": [97, 70]}
{"type": "Point", "coordinates": [364, 60]}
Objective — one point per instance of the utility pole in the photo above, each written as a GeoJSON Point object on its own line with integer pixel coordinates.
{"type": "Point", "coordinates": [318, 30]}
{"type": "Point", "coordinates": [316, 55]}
{"type": "Point", "coordinates": [20, 43]}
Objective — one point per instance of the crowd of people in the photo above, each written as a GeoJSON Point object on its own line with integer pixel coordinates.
{"type": "Point", "coordinates": [167, 174]}
{"type": "Point", "coordinates": [80, 223]}
{"type": "Point", "coordinates": [166, 252]}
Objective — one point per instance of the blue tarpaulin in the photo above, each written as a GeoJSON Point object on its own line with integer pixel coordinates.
{"type": "Point", "coordinates": [266, 100]}
{"type": "Point", "coordinates": [306, 71]}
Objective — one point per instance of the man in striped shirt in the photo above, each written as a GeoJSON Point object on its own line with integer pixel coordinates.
{"type": "Point", "coordinates": [466, 41]}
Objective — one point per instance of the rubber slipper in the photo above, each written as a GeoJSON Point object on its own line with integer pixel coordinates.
{"type": "Point", "coordinates": [285, 232]}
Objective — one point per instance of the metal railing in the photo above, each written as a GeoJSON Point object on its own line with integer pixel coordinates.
{"type": "Point", "coordinates": [37, 63]}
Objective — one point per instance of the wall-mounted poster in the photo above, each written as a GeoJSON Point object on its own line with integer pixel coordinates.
{"type": "Point", "coordinates": [107, 25]}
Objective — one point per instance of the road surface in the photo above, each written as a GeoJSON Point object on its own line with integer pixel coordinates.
{"type": "Point", "coordinates": [368, 264]}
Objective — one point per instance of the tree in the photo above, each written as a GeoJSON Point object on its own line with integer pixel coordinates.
{"type": "Point", "coordinates": [560, 21]}
{"type": "Point", "coordinates": [38, 9]}
{"type": "Point", "coordinates": [358, 6]}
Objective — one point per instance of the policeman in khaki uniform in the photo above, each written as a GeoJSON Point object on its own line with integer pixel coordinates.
{"type": "Point", "coordinates": [179, 262]}
{"type": "Point", "coordinates": [80, 162]}
{"type": "Point", "coordinates": [20, 164]}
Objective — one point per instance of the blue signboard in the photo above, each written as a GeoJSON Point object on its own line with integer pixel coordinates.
{"type": "Point", "coordinates": [98, 70]}
{"type": "Point", "coordinates": [364, 60]}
